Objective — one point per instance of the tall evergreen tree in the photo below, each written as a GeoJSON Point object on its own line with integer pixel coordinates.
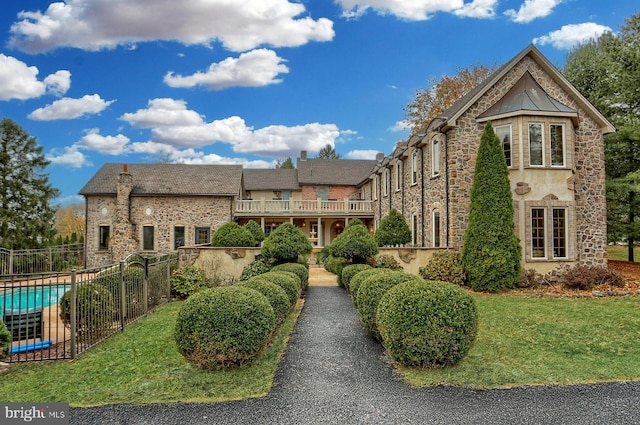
{"type": "Point", "coordinates": [328, 152]}
{"type": "Point", "coordinates": [287, 164]}
{"type": "Point", "coordinates": [26, 216]}
{"type": "Point", "coordinates": [607, 70]}
{"type": "Point", "coordinates": [491, 253]}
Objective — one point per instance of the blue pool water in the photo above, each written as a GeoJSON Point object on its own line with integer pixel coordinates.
{"type": "Point", "coordinates": [21, 299]}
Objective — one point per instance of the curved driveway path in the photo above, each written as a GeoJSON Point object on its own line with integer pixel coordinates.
{"type": "Point", "coordinates": [333, 373]}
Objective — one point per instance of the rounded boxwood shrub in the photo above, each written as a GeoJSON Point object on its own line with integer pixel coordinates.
{"type": "Point", "coordinates": [256, 231]}
{"type": "Point", "coordinates": [370, 293]}
{"type": "Point", "coordinates": [286, 280]}
{"type": "Point", "coordinates": [95, 311]}
{"type": "Point", "coordinates": [5, 341]}
{"type": "Point", "coordinates": [285, 244]}
{"type": "Point", "coordinates": [359, 278]}
{"type": "Point", "coordinates": [276, 296]}
{"type": "Point", "coordinates": [349, 271]}
{"type": "Point", "coordinates": [427, 323]}
{"type": "Point", "coordinates": [445, 266]}
{"type": "Point", "coordinates": [232, 234]}
{"type": "Point", "coordinates": [299, 269]}
{"type": "Point", "coordinates": [224, 327]}
{"type": "Point", "coordinates": [255, 268]}
{"type": "Point", "coordinates": [188, 280]}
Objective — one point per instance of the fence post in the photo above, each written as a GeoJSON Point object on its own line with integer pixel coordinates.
{"type": "Point", "coordinates": [123, 300]}
{"type": "Point", "coordinates": [73, 316]}
{"type": "Point", "coordinates": [50, 268]}
{"type": "Point", "coordinates": [145, 286]}
{"type": "Point", "coordinates": [168, 288]}
{"type": "Point", "coordinates": [11, 261]}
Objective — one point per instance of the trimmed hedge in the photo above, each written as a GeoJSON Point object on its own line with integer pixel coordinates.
{"type": "Point", "coordinates": [288, 281]}
{"type": "Point", "coordinates": [188, 280]}
{"type": "Point", "coordinates": [277, 297]}
{"type": "Point", "coordinates": [299, 269]}
{"type": "Point", "coordinates": [231, 235]}
{"type": "Point", "coordinates": [427, 324]}
{"type": "Point", "coordinates": [5, 341]}
{"type": "Point", "coordinates": [224, 327]}
{"type": "Point", "coordinates": [370, 293]}
{"type": "Point", "coordinates": [95, 311]}
{"type": "Point", "coordinates": [349, 271]}
{"type": "Point", "coordinates": [255, 268]}
{"type": "Point", "coordinates": [359, 278]}
{"type": "Point", "coordinates": [286, 244]}
{"type": "Point", "coordinates": [445, 266]}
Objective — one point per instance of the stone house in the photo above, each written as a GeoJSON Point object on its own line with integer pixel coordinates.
{"type": "Point", "coordinates": [156, 207]}
{"type": "Point", "coordinates": [552, 138]}
{"type": "Point", "coordinates": [553, 144]}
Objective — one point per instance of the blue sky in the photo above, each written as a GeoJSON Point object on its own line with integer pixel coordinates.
{"type": "Point", "coordinates": [251, 81]}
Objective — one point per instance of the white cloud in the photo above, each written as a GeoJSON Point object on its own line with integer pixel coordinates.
{"type": "Point", "coordinates": [191, 156]}
{"type": "Point", "coordinates": [103, 24]}
{"type": "Point", "coordinates": [57, 84]}
{"type": "Point", "coordinates": [68, 108]}
{"type": "Point", "coordinates": [71, 157]}
{"type": "Point", "coordinates": [532, 9]}
{"type": "Point", "coordinates": [253, 69]}
{"type": "Point", "coordinates": [402, 125]}
{"type": "Point", "coordinates": [362, 154]}
{"type": "Point", "coordinates": [67, 200]}
{"type": "Point", "coordinates": [419, 10]}
{"type": "Point", "coordinates": [571, 35]}
{"type": "Point", "coordinates": [110, 145]}
{"type": "Point", "coordinates": [17, 80]}
{"type": "Point", "coordinates": [172, 124]}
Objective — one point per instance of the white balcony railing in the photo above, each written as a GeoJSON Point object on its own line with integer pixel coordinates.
{"type": "Point", "coordinates": [302, 207]}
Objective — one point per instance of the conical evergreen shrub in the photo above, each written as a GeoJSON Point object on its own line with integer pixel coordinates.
{"type": "Point", "coordinates": [491, 253]}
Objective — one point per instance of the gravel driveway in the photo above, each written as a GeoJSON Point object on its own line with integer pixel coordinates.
{"type": "Point", "coordinates": [333, 373]}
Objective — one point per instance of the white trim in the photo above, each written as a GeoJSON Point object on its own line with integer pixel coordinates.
{"type": "Point", "coordinates": [564, 145]}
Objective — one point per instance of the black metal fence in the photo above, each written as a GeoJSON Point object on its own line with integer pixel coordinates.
{"type": "Point", "coordinates": [60, 315]}
{"type": "Point", "coordinates": [44, 260]}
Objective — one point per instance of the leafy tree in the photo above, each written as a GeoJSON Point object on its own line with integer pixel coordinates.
{"type": "Point", "coordinates": [26, 216]}
{"type": "Point", "coordinates": [287, 164]}
{"type": "Point", "coordinates": [285, 244]}
{"type": "Point", "coordinates": [256, 231]}
{"type": "Point", "coordinates": [442, 93]}
{"type": "Point", "coordinates": [232, 234]}
{"type": "Point", "coordinates": [491, 251]}
{"type": "Point", "coordinates": [69, 221]}
{"type": "Point", "coordinates": [393, 230]}
{"type": "Point", "coordinates": [606, 71]}
{"type": "Point", "coordinates": [355, 244]}
{"type": "Point", "coordinates": [328, 152]}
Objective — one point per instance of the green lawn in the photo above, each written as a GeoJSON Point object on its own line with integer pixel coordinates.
{"type": "Point", "coordinates": [142, 365]}
{"type": "Point", "coordinates": [532, 341]}
{"type": "Point", "coordinates": [621, 252]}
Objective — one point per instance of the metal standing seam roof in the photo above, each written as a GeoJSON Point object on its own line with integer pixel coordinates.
{"type": "Point", "coordinates": [336, 172]}
{"type": "Point", "coordinates": [271, 179]}
{"type": "Point", "coordinates": [168, 179]}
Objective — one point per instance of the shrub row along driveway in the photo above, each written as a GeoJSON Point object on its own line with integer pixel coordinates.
{"type": "Point", "coordinates": [333, 373]}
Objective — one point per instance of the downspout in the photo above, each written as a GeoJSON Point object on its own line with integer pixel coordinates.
{"type": "Point", "coordinates": [422, 189]}
{"type": "Point", "coordinates": [402, 187]}
{"type": "Point", "coordinates": [86, 229]}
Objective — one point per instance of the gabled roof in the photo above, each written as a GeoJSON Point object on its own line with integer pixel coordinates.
{"type": "Point", "coordinates": [271, 179]}
{"type": "Point", "coordinates": [168, 179]}
{"type": "Point", "coordinates": [335, 172]}
{"type": "Point", "coordinates": [454, 112]}
{"type": "Point", "coordinates": [527, 96]}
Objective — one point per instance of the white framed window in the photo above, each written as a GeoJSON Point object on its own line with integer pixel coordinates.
{"type": "Point", "coordinates": [504, 134]}
{"type": "Point", "coordinates": [538, 233]}
{"type": "Point", "coordinates": [549, 236]}
{"type": "Point", "coordinates": [414, 167]}
{"type": "Point", "coordinates": [557, 145]}
{"type": "Point", "coordinates": [435, 157]}
{"type": "Point", "coordinates": [376, 182]}
{"type": "Point", "coordinates": [436, 229]}
{"type": "Point", "coordinates": [398, 173]}
{"type": "Point", "coordinates": [559, 233]}
{"type": "Point", "coordinates": [536, 144]}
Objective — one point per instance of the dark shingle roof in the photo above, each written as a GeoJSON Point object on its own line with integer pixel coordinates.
{"type": "Point", "coordinates": [168, 179]}
{"type": "Point", "coordinates": [271, 179]}
{"type": "Point", "coordinates": [339, 172]}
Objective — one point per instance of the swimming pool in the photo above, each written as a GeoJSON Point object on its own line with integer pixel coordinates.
{"type": "Point", "coordinates": [20, 300]}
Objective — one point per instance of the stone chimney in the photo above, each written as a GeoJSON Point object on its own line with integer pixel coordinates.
{"type": "Point", "coordinates": [379, 156]}
{"type": "Point", "coordinates": [122, 240]}
{"type": "Point", "coordinates": [303, 155]}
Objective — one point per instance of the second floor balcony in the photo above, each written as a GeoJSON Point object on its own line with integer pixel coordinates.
{"type": "Point", "coordinates": [299, 208]}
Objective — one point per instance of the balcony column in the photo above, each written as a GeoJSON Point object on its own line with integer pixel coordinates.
{"type": "Point", "coordinates": [320, 237]}
{"type": "Point", "coordinates": [262, 222]}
